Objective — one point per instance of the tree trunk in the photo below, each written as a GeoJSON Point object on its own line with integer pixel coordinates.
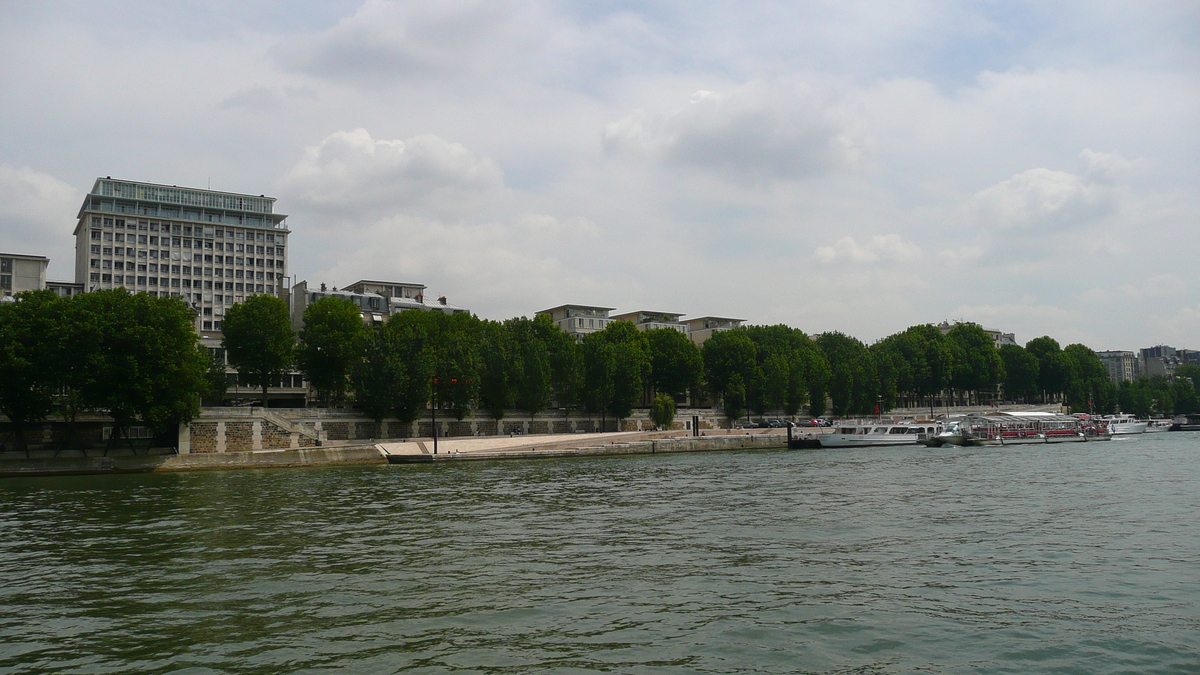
{"type": "Point", "coordinates": [264, 392]}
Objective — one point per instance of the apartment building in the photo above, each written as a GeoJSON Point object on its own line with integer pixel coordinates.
{"type": "Point", "coordinates": [22, 273]}
{"type": "Point", "coordinates": [999, 338]}
{"type": "Point", "coordinates": [702, 328]}
{"type": "Point", "coordinates": [650, 320]}
{"type": "Point", "coordinates": [1122, 366]}
{"type": "Point", "coordinates": [579, 320]}
{"type": "Point", "coordinates": [376, 300]}
{"type": "Point", "coordinates": [213, 249]}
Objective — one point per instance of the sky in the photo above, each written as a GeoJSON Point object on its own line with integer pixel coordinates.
{"type": "Point", "coordinates": [830, 165]}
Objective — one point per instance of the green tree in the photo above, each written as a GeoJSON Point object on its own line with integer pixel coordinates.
{"type": "Point", "coordinates": [853, 383]}
{"type": "Point", "coordinates": [377, 376]}
{"type": "Point", "coordinates": [259, 340]}
{"type": "Point", "coordinates": [1054, 372]}
{"type": "Point", "coordinates": [662, 411]}
{"type": "Point", "coordinates": [730, 359]}
{"type": "Point", "coordinates": [1088, 377]}
{"type": "Point", "coordinates": [1020, 372]}
{"type": "Point", "coordinates": [454, 347]}
{"type": "Point", "coordinates": [495, 369]}
{"type": "Point", "coordinates": [676, 365]}
{"type": "Point", "coordinates": [566, 361]}
{"type": "Point", "coordinates": [977, 365]}
{"type": "Point", "coordinates": [617, 363]}
{"type": "Point", "coordinates": [329, 344]}
{"type": "Point", "coordinates": [790, 369]}
{"type": "Point", "coordinates": [216, 383]}
{"type": "Point", "coordinates": [531, 373]}
{"type": "Point", "coordinates": [27, 369]}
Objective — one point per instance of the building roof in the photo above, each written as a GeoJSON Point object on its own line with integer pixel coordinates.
{"type": "Point", "coordinates": [387, 283]}
{"type": "Point", "coordinates": [650, 312]}
{"type": "Point", "coordinates": [547, 311]}
{"type": "Point", "coordinates": [22, 256]}
{"type": "Point", "coordinates": [713, 318]}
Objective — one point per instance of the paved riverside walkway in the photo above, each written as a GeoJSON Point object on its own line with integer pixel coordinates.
{"type": "Point", "coordinates": [495, 446]}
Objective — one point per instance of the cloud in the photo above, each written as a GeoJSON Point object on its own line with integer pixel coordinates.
{"type": "Point", "coordinates": [1042, 199]}
{"type": "Point", "coordinates": [37, 215]}
{"type": "Point", "coordinates": [759, 132]}
{"type": "Point", "coordinates": [386, 40]}
{"type": "Point", "coordinates": [878, 249]}
{"type": "Point", "coordinates": [349, 172]}
{"type": "Point", "coordinates": [262, 98]}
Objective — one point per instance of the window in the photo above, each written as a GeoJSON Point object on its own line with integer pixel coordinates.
{"type": "Point", "coordinates": [241, 248]}
{"type": "Point", "coordinates": [95, 250]}
{"type": "Point", "coordinates": [207, 325]}
{"type": "Point", "coordinates": [153, 241]}
{"type": "Point", "coordinates": [141, 268]}
{"type": "Point", "coordinates": [187, 283]}
{"type": "Point", "coordinates": [175, 283]}
{"type": "Point", "coordinates": [238, 287]}
{"type": "Point", "coordinates": [141, 239]}
{"type": "Point", "coordinates": [187, 243]}
{"type": "Point", "coordinates": [108, 264]}
{"type": "Point", "coordinates": [154, 227]}
{"type": "Point", "coordinates": [153, 254]}
{"type": "Point", "coordinates": [120, 237]}
{"type": "Point", "coordinates": [95, 276]}
{"type": "Point", "coordinates": [208, 245]}
{"type": "Point", "coordinates": [108, 236]}
{"type": "Point", "coordinates": [107, 251]}
{"type": "Point", "coordinates": [175, 241]}
{"type": "Point", "coordinates": [120, 224]}
{"type": "Point", "coordinates": [259, 250]}
{"type": "Point", "coordinates": [118, 279]}
{"type": "Point", "coordinates": [142, 254]}
{"type": "Point", "coordinates": [260, 236]}
{"type": "Point", "coordinates": [174, 269]}
{"type": "Point", "coordinates": [95, 235]}
{"type": "Point", "coordinates": [95, 221]}
{"type": "Point", "coordinates": [219, 233]}
{"type": "Point", "coordinates": [143, 225]}
{"type": "Point", "coordinates": [270, 276]}
{"type": "Point", "coordinates": [196, 257]}
{"type": "Point", "coordinates": [141, 281]}
{"type": "Point", "coordinates": [258, 288]}
{"type": "Point", "coordinates": [238, 260]}
{"type": "Point", "coordinates": [187, 269]}
{"type": "Point", "coordinates": [187, 230]}
{"type": "Point", "coordinates": [108, 222]}
{"type": "Point", "coordinates": [153, 281]}
{"type": "Point", "coordinates": [118, 265]}
{"type": "Point", "coordinates": [258, 275]}
{"type": "Point", "coordinates": [106, 278]}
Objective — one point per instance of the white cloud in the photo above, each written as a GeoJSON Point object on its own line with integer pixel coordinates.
{"type": "Point", "coordinates": [759, 132]}
{"type": "Point", "coordinates": [37, 216]}
{"type": "Point", "coordinates": [351, 173]}
{"type": "Point", "coordinates": [386, 40]}
{"type": "Point", "coordinates": [879, 248]}
{"type": "Point", "coordinates": [1042, 199]}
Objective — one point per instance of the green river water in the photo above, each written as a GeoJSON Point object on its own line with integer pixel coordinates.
{"type": "Point", "coordinates": [1080, 558]}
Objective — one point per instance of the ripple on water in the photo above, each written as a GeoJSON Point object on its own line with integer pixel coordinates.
{"type": "Point", "coordinates": [1076, 560]}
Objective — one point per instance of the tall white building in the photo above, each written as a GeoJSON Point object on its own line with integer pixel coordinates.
{"type": "Point", "coordinates": [213, 249]}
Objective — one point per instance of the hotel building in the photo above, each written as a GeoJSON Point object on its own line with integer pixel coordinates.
{"type": "Point", "coordinates": [213, 249]}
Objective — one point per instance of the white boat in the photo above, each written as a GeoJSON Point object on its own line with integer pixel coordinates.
{"type": "Point", "coordinates": [1122, 424]}
{"type": "Point", "coordinates": [866, 434]}
{"type": "Point", "coordinates": [1155, 426]}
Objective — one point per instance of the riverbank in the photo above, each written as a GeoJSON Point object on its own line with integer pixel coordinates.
{"type": "Point", "coordinates": [403, 452]}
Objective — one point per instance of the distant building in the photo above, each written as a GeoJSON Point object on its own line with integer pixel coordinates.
{"type": "Point", "coordinates": [999, 338]}
{"type": "Point", "coordinates": [22, 273]}
{"type": "Point", "coordinates": [28, 273]}
{"type": "Point", "coordinates": [702, 328]}
{"type": "Point", "coordinates": [579, 320]}
{"type": "Point", "coordinates": [375, 307]}
{"type": "Point", "coordinates": [1122, 366]}
{"type": "Point", "coordinates": [212, 249]}
{"type": "Point", "coordinates": [648, 320]}
{"type": "Point", "coordinates": [1160, 361]}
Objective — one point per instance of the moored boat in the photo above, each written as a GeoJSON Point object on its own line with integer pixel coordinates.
{"type": "Point", "coordinates": [1022, 428]}
{"type": "Point", "coordinates": [880, 434]}
{"type": "Point", "coordinates": [1122, 424]}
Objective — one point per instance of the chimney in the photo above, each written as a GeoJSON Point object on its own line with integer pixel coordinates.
{"type": "Point", "coordinates": [442, 299]}
{"type": "Point", "coordinates": [322, 286]}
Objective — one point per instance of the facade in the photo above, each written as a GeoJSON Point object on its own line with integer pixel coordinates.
{"type": "Point", "coordinates": [375, 307]}
{"type": "Point", "coordinates": [22, 273]}
{"type": "Point", "coordinates": [648, 320]}
{"type": "Point", "coordinates": [1122, 366]}
{"type": "Point", "coordinates": [213, 249]}
{"type": "Point", "coordinates": [579, 320]}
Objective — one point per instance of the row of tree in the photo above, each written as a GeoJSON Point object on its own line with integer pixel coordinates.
{"type": "Point", "coordinates": [138, 358]}
{"type": "Point", "coordinates": [132, 355]}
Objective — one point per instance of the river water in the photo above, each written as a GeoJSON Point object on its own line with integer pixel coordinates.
{"type": "Point", "coordinates": [1080, 558]}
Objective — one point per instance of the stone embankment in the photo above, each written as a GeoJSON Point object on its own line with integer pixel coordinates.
{"type": "Point", "coordinates": [400, 452]}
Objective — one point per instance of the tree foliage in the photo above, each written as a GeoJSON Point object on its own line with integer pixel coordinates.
{"type": "Point", "coordinates": [676, 365]}
{"type": "Point", "coordinates": [328, 346]}
{"type": "Point", "coordinates": [853, 384]}
{"type": "Point", "coordinates": [259, 340]}
{"type": "Point", "coordinates": [1020, 372]}
{"type": "Point", "coordinates": [662, 411]}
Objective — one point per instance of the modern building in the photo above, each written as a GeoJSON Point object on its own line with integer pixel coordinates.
{"type": "Point", "coordinates": [579, 320]}
{"type": "Point", "coordinates": [22, 273]}
{"type": "Point", "coordinates": [999, 338]}
{"type": "Point", "coordinates": [213, 249]}
{"type": "Point", "coordinates": [375, 307]}
{"type": "Point", "coordinates": [650, 320]}
{"type": "Point", "coordinates": [1122, 366]}
{"type": "Point", "coordinates": [702, 328]}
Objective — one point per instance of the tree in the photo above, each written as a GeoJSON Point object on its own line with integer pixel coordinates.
{"type": "Point", "coordinates": [1020, 372]}
{"type": "Point", "coordinates": [26, 368]}
{"type": "Point", "coordinates": [453, 345]}
{"type": "Point", "coordinates": [566, 361]}
{"type": "Point", "coordinates": [662, 411]}
{"type": "Point", "coordinates": [977, 364]}
{"type": "Point", "coordinates": [216, 383]}
{"type": "Point", "coordinates": [328, 345]}
{"type": "Point", "coordinates": [853, 385]}
{"type": "Point", "coordinates": [676, 365]}
{"type": "Point", "coordinates": [495, 369]}
{"type": "Point", "coordinates": [1088, 377]}
{"type": "Point", "coordinates": [616, 363]}
{"type": "Point", "coordinates": [378, 374]}
{"type": "Point", "coordinates": [531, 372]}
{"type": "Point", "coordinates": [1054, 372]}
{"type": "Point", "coordinates": [730, 358]}
{"type": "Point", "coordinates": [259, 340]}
